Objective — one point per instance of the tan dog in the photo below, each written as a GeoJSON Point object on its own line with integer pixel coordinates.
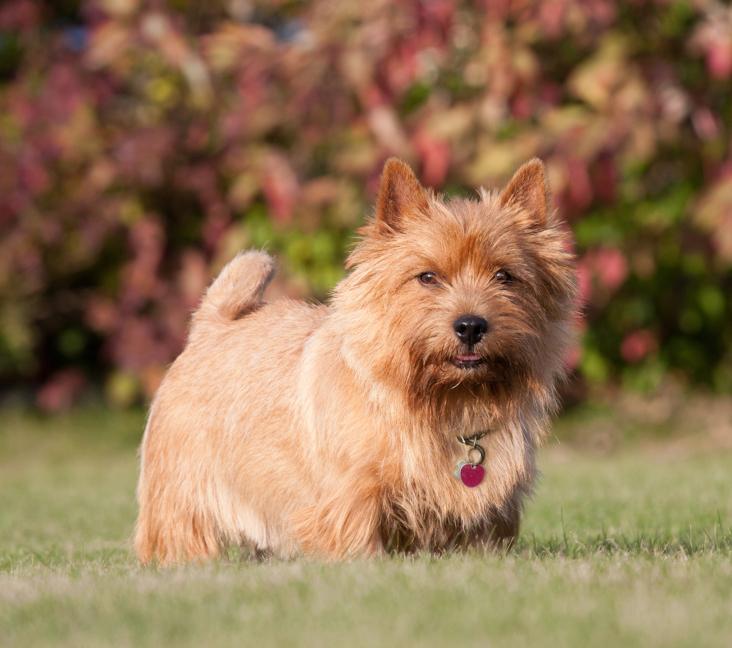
{"type": "Point", "coordinates": [333, 430]}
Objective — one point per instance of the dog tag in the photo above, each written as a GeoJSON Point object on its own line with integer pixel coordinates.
{"type": "Point", "coordinates": [471, 475]}
{"type": "Point", "coordinates": [471, 472]}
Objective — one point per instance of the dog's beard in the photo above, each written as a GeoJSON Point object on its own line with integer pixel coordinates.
{"type": "Point", "coordinates": [435, 380]}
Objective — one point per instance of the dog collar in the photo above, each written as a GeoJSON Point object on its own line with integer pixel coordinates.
{"type": "Point", "coordinates": [472, 471]}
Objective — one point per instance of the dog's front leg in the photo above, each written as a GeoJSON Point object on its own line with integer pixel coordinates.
{"type": "Point", "coordinates": [505, 529]}
{"type": "Point", "coordinates": [344, 525]}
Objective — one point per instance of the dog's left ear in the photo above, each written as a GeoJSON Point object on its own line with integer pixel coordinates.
{"type": "Point", "coordinates": [400, 196]}
{"type": "Point", "coordinates": [528, 189]}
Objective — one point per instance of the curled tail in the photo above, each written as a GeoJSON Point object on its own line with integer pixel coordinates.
{"type": "Point", "coordinates": [239, 287]}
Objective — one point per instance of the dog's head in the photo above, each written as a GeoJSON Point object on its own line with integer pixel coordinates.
{"type": "Point", "coordinates": [450, 296]}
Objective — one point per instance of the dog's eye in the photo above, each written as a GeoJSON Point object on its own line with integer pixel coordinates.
{"type": "Point", "coordinates": [427, 278]}
{"type": "Point", "coordinates": [504, 276]}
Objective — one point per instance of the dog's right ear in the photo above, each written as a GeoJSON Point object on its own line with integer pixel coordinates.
{"type": "Point", "coordinates": [528, 189]}
{"type": "Point", "coordinates": [401, 196]}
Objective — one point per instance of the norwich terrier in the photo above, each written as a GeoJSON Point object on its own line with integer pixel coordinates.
{"type": "Point", "coordinates": [403, 416]}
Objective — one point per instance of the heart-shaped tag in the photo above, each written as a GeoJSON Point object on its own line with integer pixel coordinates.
{"type": "Point", "coordinates": [471, 475]}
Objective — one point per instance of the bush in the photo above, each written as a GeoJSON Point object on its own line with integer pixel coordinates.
{"type": "Point", "coordinates": [141, 147]}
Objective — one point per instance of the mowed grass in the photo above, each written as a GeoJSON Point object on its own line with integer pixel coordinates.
{"type": "Point", "coordinates": [632, 548]}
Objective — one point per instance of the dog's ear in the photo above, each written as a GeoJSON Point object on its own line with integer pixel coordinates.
{"type": "Point", "coordinates": [400, 196]}
{"type": "Point", "coordinates": [528, 190]}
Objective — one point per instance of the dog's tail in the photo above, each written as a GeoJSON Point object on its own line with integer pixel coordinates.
{"type": "Point", "coordinates": [239, 288]}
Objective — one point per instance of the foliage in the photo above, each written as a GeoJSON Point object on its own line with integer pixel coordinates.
{"type": "Point", "coordinates": [142, 144]}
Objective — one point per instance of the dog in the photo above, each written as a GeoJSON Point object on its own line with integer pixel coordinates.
{"type": "Point", "coordinates": [403, 416]}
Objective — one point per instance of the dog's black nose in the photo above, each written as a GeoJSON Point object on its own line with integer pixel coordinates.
{"type": "Point", "coordinates": [470, 328]}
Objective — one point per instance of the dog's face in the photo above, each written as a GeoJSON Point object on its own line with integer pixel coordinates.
{"type": "Point", "coordinates": [463, 293]}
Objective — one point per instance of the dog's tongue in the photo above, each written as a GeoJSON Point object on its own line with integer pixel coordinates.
{"type": "Point", "coordinates": [468, 357]}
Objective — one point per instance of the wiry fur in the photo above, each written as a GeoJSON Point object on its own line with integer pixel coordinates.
{"type": "Point", "coordinates": [331, 430]}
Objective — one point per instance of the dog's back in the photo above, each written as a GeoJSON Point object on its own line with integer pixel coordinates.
{"type": "Point", "coordinates": [234, 343]}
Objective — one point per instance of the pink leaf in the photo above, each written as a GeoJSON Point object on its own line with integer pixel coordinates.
{"type": "Point", "coordinates": [637, 345]}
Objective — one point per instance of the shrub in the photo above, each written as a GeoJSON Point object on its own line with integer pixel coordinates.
{"type": "Point", "coordinates": [142, 144]}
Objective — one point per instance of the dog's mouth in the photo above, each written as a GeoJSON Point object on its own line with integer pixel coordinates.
{"type": "Point", "coordinates": [467, 360]}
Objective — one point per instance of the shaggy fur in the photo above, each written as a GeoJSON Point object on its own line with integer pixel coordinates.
{"type": "Point", "coordinates": [330, 430]}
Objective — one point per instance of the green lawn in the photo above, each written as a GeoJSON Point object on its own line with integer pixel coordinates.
{"type": "Point", "coordinates": [633, 548]}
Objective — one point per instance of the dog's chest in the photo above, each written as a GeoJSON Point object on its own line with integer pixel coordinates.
{"type": "Point", "coordinates": [425, 504]}
{"type": "Point", "coordinates": [432, 511]}
{"type": "Point", "coordinates": [427, 520]}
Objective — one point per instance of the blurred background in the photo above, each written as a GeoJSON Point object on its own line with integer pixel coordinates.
{"type": "Point", "coordinates": [142, 144]}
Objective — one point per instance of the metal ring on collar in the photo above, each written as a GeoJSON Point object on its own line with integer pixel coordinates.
{"type": "Point", "coordinates": [481, 455]}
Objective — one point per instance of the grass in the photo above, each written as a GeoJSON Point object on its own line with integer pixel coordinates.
{"type": "Point", "coordinates": [633, 548]}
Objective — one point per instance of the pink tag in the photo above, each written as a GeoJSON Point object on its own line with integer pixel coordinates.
{"type": "Point", "coordinates": [471, 475]}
